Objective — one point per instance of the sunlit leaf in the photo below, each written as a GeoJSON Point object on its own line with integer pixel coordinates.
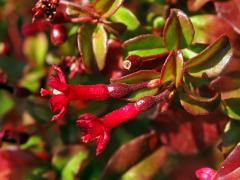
{"type": "Point", "coordinates": [125, 16]}
{"type": "Point", "coordinates": [139, 76]}
{"type": "Point", "coordinates": [99, 41]}
{"type": "Point", "coordinates": [143, 42]}
{"type": "Point", "coordinates": [107, 7]}
{"type": "Point", "coordinates": [178, 31]}
{"type": "Point", "coordinates": [6, 103]}
{"type": "Point", "coordinates": [73, 166]}
{"type": "Point", "coordinates": [212, 60]}
{"type": "Point", "coordinates": [35, 48]}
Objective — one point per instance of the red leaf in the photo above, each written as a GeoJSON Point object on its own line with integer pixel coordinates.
{"type": "Point", "coordinates": [16, 163]}
{"type": "Point", "coordinates": [187, 134]}
{"type": "Point", "coordinates": [230, 11]}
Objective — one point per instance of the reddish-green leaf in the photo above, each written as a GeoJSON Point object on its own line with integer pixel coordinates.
{"type": "Point", "coordinates": [107, 7]}
{"type": "Point", "coordinates": [197, 105]}
{"type": "Point", "coordinates": [85, 46]}
{"type": "Point", "coordinates": [139, 76]}
{"type": "Point", "coordinates": [147, 168]}
{"type": "Point", "coordinates": [99, 41]}
{"type": "Point", "coordinates": [173, 68]}
{"type": "Point", "coordinates": [125, 16]}
{"type": "Point", "coordinates": [178, 31]}
{"type": "Point", "coordinates": [211, 61]}
{"type": "Point", "coordinates": [131, 153]}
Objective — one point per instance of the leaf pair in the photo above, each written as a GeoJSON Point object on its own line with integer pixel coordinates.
{"type": "Point", "coordinates": [92, 44]}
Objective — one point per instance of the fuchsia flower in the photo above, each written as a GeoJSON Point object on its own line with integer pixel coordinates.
{"type": "Point", "coordinates": [62, 93]}
{"type": "Point", "coordinates": [205, 173]}
{"type": "Point", "coordinates": [98, 128]}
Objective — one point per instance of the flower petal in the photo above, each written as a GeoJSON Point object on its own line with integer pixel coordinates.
{"type": "Point", "coordinates": [57, 102]}
{"type": "Point", "coordinates": [60, 114]}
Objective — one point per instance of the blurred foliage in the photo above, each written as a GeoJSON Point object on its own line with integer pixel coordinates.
{"type": "Point", "coordinates": [168, 142]}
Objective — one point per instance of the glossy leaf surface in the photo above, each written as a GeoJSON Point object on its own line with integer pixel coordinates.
{"type": "Point", "coordinates": [139, 76]}
{"type": "Point", "coordinates": [99, 41]}
{"type": "Point", "coordinates": [178, 31]}
{"type": "Point", "coordinates": [211, 61]}
{"type": "Point", "coordinates": [125, 16]}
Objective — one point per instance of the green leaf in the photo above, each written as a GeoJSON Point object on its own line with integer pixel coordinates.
{"type": "Point", "coordinates": [139, 76]}
{"type": "Point", "coordinates": [85, 46]}
{"type": "Point", "coordinates": [143, 42]}
{"type": "Point", "coordinates": [125, 16]}
{"type": "Point", "coordinates": [74, 164]}
{"type": "Point", "coordinates": [197, 105]}
{"type": "Point", "coordinates": [99, 41]}
{"type": "Point", "coordinates": [34, 141]}
{"type": "Point", "coordinates": [31, 80]}
{"type": "Point", "coordinates": [173, 69]}
{"type": "Point", "coordinates": [148, 167]}
{"type": "Point", "coordinates": [211, 61]}
{"type": "Point", "coordinates": [231, 135]}
{"type": "Point", "coordinates": [178, 31]}
{"type": "Point", "coordinates": [107, 7]}
{"type": "Point", "coordinates": [136, 95]}
{"type": "Point", "coordinates": [148, 52]}
{"type": "Point", "coordinates": [35, 48]}
{"type": "Point", "coordinates": [231, 108]}
{"type": "Point", "coordinates": [6, 103]}
{"type": "Point", "coordinates": [12, 67]}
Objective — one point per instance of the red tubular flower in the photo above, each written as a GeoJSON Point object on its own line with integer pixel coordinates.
{"type": "Point", "coordinates": [62, 93]}
{"type": "Point", "coordinates": [205, 173]}
{"type": "Point", "coordinates": [98, 128]}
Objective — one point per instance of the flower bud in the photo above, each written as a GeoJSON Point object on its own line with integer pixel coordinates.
{"type": "Point", "coordinates": [58, 34]}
